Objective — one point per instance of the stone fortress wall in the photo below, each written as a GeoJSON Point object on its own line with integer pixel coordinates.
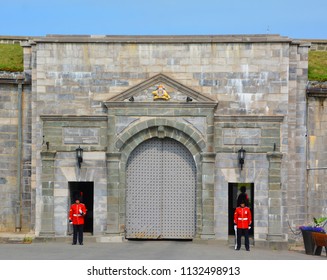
{"type": "Point", "coordinates": [259, 82]}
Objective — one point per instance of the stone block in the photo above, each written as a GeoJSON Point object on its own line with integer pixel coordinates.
{"type": "Point", "coordinates": [110, 239]}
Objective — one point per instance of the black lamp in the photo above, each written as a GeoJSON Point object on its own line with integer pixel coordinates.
{"type": "Point", "coordinates": [79, 156]}
{"type": "Point", "coordinates": [241, 157]}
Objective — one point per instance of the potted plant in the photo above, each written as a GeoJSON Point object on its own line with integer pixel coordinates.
{"type": "Point", "coordinates": [320, 222]}
{"type": "Point", "coordinates": [318, 226]}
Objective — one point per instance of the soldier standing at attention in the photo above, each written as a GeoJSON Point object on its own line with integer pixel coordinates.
{"type": "Point", "coordinates": [243, 220]}
{"type": "Point", "coordinates": [76, 217]}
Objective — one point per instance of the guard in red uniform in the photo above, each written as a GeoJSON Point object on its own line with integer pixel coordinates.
{"type": "Point", "coordinates": [243, 220]}
{"type": "Point", "coordinates": [76, 217]}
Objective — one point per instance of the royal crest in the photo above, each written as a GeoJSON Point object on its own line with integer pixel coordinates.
{"type": "Point", "coordinates": [160, 93]}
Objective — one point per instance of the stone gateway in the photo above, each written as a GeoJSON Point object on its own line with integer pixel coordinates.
{"type": "Point", "coordinates": [160, 121]}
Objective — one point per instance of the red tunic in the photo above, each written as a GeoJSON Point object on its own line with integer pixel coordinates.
{"type": "Point", "coordinates": [77, 213]}
{"type": "Point", "coordinates": [243, 217]}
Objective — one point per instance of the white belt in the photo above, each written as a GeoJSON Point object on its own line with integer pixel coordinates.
{"type": "Point", "coordinates": [77, 215]}
{"type": "Point", "coordinates": [243, 219]}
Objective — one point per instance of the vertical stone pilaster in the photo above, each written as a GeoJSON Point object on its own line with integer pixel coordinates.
{"type": "Point", "coordinates": [47, 193]}
{"type": "Point", "coordinates": [208, 181]}
{"type": "Point", "coordinates": [274, 197]}
{"type": "Point", "coordinates": [115, 201]}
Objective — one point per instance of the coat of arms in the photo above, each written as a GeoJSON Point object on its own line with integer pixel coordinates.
{"type": "Point", "coordinates": [160, 93]}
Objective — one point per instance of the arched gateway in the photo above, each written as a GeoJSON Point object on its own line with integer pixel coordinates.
{"type": "Point", "coordinates": [161, 191]}
{"type": "Point", "coordinates": [160, 162]}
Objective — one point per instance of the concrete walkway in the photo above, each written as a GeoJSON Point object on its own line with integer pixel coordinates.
{"type": "Point", "coordinates": [142, 250]}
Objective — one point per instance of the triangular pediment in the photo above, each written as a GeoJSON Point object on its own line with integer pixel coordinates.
{"type": "Point", "coordinates": [160, 88]}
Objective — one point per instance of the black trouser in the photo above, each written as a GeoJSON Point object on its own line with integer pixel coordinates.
{"type": "Point", "coordinates": [245, 232]}
{"type": "Point", "coordinates": [78, 231]}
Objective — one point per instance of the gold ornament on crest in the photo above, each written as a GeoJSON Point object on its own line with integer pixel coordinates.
{"type": "Point", "coordinates": [160, 93]}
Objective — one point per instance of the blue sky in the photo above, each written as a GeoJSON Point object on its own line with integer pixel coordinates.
{"type": "Point", "coordinates": [301, 19]}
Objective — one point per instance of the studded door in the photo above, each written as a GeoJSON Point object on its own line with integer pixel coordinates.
{"type": "Point", "coordinates": [160, 196]}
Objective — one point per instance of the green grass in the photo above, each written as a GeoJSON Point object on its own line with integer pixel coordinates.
{"type": "Point", "coordinates": [317, 66]}
{"type": "Point", "coordinates": [11, 58]}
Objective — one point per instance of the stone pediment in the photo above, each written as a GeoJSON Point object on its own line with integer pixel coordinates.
{"type": "Point", "coordinates": [160, 89]}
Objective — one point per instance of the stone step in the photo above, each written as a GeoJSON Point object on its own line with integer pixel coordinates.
{"type": "Point", "coordinates": [15, 238]}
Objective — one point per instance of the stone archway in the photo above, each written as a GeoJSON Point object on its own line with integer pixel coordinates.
{"type": "Point", "coordinates": [134, 116]}
{"type": "Point", "coordinates": [117, 162]}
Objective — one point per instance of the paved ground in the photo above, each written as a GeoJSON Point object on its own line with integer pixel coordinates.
{"type": "Point", "coordinates": [144, 250]}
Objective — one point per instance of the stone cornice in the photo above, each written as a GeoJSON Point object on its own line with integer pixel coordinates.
{"type": "Point", "coordinates": [251, 118]}
{"type": "Point", "coordinates": [160, 104]}
{"type": "Point", "coordinates": [317, 93]}
{"type": "Point", "coordinates": [152, 39]}
{"type": "Point", "coordinates": [208, 157]}
{"type": "Point", "coordinates": [48, 155]}
{"type": "Point", "coordinates": [275, 155]}
{"type": "Point", "coordinates": [317, 89]}
{"type": "Point", "coordinates": [73, 118]}
{"type": "Point", "coordinates": [14, 78]}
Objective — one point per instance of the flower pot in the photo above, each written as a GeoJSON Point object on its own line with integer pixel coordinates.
{"type": "Point", "coordinates": [309, 244]}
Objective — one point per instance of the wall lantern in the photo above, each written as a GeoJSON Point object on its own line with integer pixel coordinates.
{"type": "Point", "coordinates": [79, 156]}
{"type": "Point", "coordinates": [241, 157]}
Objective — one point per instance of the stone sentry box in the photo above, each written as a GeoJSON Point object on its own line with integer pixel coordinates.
{"type": "Point", "coordinates": [260, 136]}
{"type": "Point", "coordinates": [62, 135]}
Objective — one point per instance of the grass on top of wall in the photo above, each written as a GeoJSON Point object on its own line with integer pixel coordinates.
{"type": "Point", "coordinates": [11, 58]}
{"type": "Point", "coordinates": [317, 66]}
